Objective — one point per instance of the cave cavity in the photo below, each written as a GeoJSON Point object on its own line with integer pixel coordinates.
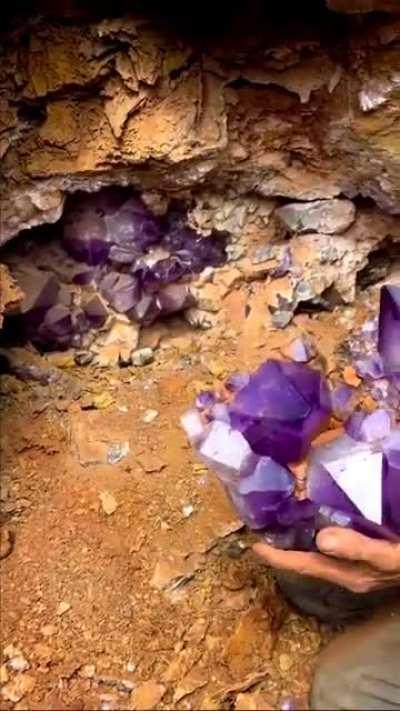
{"type": "Point", "coordinates": [111, 265]}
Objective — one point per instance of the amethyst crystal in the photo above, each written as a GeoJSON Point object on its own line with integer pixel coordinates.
{"type": "Point", "coordinates": [111, 241]}
{"type": "Point", "coordinates": [282, 408]}
{"type": "Point", "coordinates": [301, 351]}
{"type": "Point", "coordinates": [237, 381]}
{"type": "Point", "coordinates": [122, 291]}
{"type": "Point", "coordinates": [389, 329]}
{"type": "Point", "coordinates": [366, 427]}
{"type": "Point", "coordinates": [255, 484]}
{"type": "Point", "coordinates": [359, 479]}
{"type": "Point", "coordinates": [376, 350]}
{"type": "Point", "coordinates": [342, 399]}
{"type": "Point", "coordinates": [269, 421]}
{"type": "Point", "coordinates": [205, 400]}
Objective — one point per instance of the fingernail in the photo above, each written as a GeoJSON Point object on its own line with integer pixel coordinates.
{"type": "Point", "coordinates": [326, 542]}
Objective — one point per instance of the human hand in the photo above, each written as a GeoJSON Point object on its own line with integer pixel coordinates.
{"type": "Point", "coordinates": [346, 558]}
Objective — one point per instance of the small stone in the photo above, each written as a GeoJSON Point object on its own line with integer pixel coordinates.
{"type": "Point", "coordinates": [285, 662]}
{"type": "Point", "coordinates": [131, 667]}
{"type": "Point", "coordinates": [62, 608]}
{"type": "Point", "coordinates": [16, 689]}
{"type": "Point", "coordinates": [149, 416]}
{"type": "Point", "coordinates": [87, 671]}
{"type": "Point", "coordinates": [143, 356]}
{"type": "Point", "coordinates": [350, 376]}
{"type": "Point", "coordinates": [187, 510]}
{"type": "Point", "coordinates": [4, 677]}
{"type": "Point", "coordinates": [108, 503]}
{"type": "Point", "coordinates": [173, 571]}
{"type": "Point", "coordinates": [117, 451]}
{"type": "Point", "coordinates": [151, 462]}
{"type": "Point", "coordinates": [18, 664]}
{"type": "Point", "coordinates": [84, 358]}
{"type": "Point", "coordinates": [147, 696]}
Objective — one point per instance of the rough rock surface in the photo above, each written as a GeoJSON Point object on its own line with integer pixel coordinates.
{"type": "Point", "coordinates": [10, 294]}
{"type": "Point", "coordinates": [273, 109]}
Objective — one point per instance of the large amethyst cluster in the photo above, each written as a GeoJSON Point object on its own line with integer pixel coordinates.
{"type": "Point", "coordinates": [113, 252]}
{"type": "Point", "coordinates": [266, 421]}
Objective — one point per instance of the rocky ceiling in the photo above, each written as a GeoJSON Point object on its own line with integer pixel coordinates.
{"type": "Point", "coordinates": [304, 107]}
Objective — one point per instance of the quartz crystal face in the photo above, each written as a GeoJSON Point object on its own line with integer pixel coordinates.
{"type": "Point", "coordinates": [280, 410]}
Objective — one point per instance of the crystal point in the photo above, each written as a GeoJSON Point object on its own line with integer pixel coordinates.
{"type": "Point", "coordinates": [389, 328]}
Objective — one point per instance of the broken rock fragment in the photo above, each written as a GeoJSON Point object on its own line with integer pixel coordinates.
{"type": "Point", "coordinates": [323, 216]}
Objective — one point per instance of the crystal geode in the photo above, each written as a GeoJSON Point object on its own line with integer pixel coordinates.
{"type": "Point", "coordinates": [112, 245]}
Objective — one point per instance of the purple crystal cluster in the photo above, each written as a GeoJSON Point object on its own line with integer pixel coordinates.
{"type": "Point", "coordinates": [113, 252]}
{"type": "Point", "coordinates": [267, 422]}
{"type": "Point", "coordinates": [376, 350]}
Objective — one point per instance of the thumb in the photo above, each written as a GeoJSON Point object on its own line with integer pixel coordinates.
{"type": "Point", "coordinates": [350, 545]}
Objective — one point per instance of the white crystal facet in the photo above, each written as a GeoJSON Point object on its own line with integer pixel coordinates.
{"type": "Point", "coordinates": [225, 450]}
{"type": "Point", "coordinates": [193, 426]}
{"type": "Point", "coordinates": [357, 470]}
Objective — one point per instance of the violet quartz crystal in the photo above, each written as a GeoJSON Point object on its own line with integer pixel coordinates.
{"type": "Point", "coordinates": [281, 409]}
{"type": "Point", "coordinates": [267, 422]}
{"type": "Point", "coordinates": [376, 350]}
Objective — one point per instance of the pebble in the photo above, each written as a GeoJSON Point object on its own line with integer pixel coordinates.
{"type": "Point", "coordinates": [142, 356]}
{"type": "Point", "coordinates": [84, 358]}
{"type": "Point", "coordinates": [87, 671]}
{"type": "Point", "coordinates": [131, 666]}
{"type": "Point", "coordinates": [187, 510]}
{"type": "Point", "coordinates": [149, 416]}
{"type": "Point", "coordinates": [117, 451]}
{"type": "Point", "coordinates": [63, 607]}
{"type": "Point", "coordinates": [108, 503]}
{"type": "Point", "coordinates": [18, 664]}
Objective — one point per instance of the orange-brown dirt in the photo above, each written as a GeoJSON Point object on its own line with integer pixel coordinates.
{"type": "Point", "coordinates": [132, 585]}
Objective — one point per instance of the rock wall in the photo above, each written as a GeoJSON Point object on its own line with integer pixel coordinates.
{"type": "Point", "coordinates": [305, 109]}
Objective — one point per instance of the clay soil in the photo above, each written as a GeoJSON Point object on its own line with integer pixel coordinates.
{"type": "Point", "coordinates": [128, 582]}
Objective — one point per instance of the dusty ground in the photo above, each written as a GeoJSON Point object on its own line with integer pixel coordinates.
{"type": "Point", "coordinates": [130, 585]}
